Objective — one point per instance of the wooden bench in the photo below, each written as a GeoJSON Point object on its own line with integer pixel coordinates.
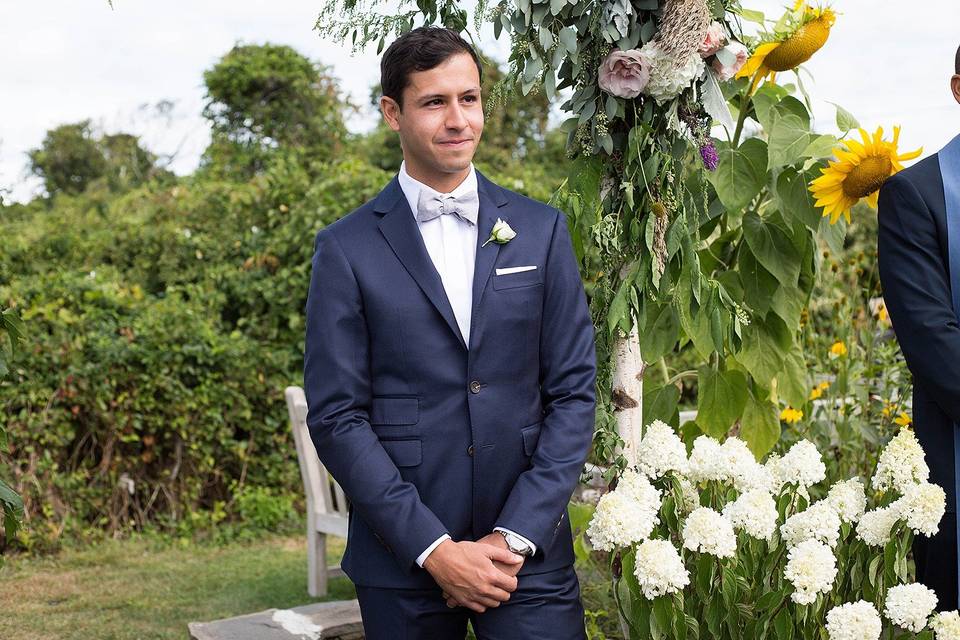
{"type": "Point", "coordinates": [326, 502]}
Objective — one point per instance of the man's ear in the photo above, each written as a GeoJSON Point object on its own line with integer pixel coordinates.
{"type": "Point", "coordinates": [955, 86]}
{"type": "Point", "coordinates": [391, 112]}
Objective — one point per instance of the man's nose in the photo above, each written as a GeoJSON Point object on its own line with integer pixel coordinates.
{"type": "Point", "coordinates": [455, 117]}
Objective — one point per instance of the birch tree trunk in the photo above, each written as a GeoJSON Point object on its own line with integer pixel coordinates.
{"type": "Point", "coordinates": [627, 390]}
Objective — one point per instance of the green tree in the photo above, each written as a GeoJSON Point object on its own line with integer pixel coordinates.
{"type": "Point", "coordinates": [69, 159]}
{"type": "Point", "coordinates": [11, 326]}
{"type": "Point", "coordinates": [261, 98]}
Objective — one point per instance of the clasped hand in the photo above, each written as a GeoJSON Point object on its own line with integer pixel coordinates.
{"type": "Point", "coordinates": [477, 575]}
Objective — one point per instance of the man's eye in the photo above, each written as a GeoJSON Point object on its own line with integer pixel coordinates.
{"type": "Point", "coordinates": [472, 98]}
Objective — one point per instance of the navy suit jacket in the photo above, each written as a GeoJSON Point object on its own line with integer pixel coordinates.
{"type": "Point", "coordinates": [424, 435]}
{"type": "Point", "coordinates": [914, 272]}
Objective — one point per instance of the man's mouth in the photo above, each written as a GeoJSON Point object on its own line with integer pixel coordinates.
{"type": "Point", "coordinates": [455, 143]}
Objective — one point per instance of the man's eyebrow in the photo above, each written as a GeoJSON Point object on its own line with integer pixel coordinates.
{"type": "Point", "coordinates": [440, 95]}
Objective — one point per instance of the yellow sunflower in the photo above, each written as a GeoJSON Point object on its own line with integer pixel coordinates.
{"type": "Point", "coordinates": [858, 172]}
{"type": "Point", "coordinates": [791, 48]}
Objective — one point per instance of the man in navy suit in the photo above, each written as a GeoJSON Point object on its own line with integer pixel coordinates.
{"type": "Point", "coordinates": [919, 260]}
{"type": "Point", "coordinates": [449, 372]}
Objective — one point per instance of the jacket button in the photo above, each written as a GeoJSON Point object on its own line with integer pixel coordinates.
{"type": "Point", "coordinates": [475, 386]}
{"type": "Point", "coordinates": [470, 450]}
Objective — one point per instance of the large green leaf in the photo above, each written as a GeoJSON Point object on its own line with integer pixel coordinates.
{"type": "Point", "coordinates": [773, 247]}
{"type": "Point", "coordinates": [661, 333]}
{"type": "Point", "coordinates": [759, 285]}
{"type": "Point", "coordinates": [765, 345]}
{"type": "Point", "coordinates": [760, 425]}
{"type": "Point", "coordinates": [721, 396]}
{"type": "Point", "coordinates": [787, 139]}
{"type": "Point", "coordinates": [787, 302]}
{"type": "Point", "coordinates": [661, 404]}
{"type": "Point", "coordinates": [795, 197]}
{"type": "Point", "coordinates": [792, 381]}
{"type": "Point", "coordinates": [741, 173]}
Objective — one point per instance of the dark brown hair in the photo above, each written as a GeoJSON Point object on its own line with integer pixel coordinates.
{"type": "Point", "coordinates": [956, 62]}
{"type": "Point", "coordinates": [421, 49]}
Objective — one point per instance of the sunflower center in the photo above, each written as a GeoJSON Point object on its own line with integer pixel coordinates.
{"type": "Point", "coordinates": [799, 47]}
{"type": "Point", "coordinates": [867, 177]}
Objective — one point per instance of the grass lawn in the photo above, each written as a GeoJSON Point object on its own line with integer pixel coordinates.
{"type": "Point", "coordinates": [136, 589]}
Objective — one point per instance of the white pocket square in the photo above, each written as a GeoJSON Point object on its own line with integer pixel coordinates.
{"type": "Point", "coordinates": [503, 270]}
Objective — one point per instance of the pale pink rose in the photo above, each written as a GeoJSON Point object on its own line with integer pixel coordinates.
{"type": "Point", "coordinates": [624, 73]}
{"type": "Point", "coordinates": [735, 54]}
{"type": "Point", "coordinates": [714, 40]}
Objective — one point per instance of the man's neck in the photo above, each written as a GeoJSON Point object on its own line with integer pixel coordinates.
{"type": "Point", "coordinates": [442, 182]}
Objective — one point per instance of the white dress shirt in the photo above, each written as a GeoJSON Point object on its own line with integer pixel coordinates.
{"type": "Point", "coordinates": [452, 244]}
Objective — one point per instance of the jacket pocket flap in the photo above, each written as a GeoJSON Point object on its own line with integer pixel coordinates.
{"type": "Point", "coordinates": [394, 410]}
{"type": "Point", "coordinates": [404, 453]}
{"type": "Point", "coordinates": [517, 279]}
{"type": "Point", "coordinates": [531, 435]}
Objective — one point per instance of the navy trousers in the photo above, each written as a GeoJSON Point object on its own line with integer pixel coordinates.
{"type": "Point", "coordinates": [545, 606]}
{"type": "Point", "coordinates": [936, 559]}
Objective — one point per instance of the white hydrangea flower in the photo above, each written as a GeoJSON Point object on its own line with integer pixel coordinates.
{"type": "Point", "coordinates": [909, 605]}
{"type": "Point", "coordinates": [946, 625]}
{"type": "Point", "coordinates": [661, 450]}
{"type": "Point", "coordinates": [811, 568]}
{"type": "Point", "coordinates": [922, 506]}
{"type": "Point", "coordinates": [818, 522]}
{"type": "Point", "coordinates": [659, 568]}
{"type": "Point", "coordinates": [754, 513]}
{"type": "Point", "coordinates": [691, 497]}
{"type": "Point", "coordinates": [755, 476]}
{"type": "Point", "coordinates": [802, 465]}
{"type": "Point", "coordinates": [668, 79]}
{"type": "Point", "coordinates": [875, 526]}
{"type": "Point", "coordinates": [707, 531]}
{"type": "Point", "coordinates": [901, 463]}
{"type": "Point", "coordinates": [849, 499]}
{"type": "Point", "coordinates": [706, 460]}
{"type": "Point", "coordinates": [626, 515]}
{"type": "Point", "coordinates": [854, 621]}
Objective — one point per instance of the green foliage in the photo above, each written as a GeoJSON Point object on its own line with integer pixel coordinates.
{"type": "Point", "coordinates": [261, 98]}
{"type": "Point", "coordinates": [71, 160]}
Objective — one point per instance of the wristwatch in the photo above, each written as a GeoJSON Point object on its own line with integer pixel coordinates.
{"type": "Point", "coordinates": [516, 545]}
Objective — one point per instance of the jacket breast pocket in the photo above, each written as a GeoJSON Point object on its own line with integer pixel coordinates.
{"type": "Point", "coordinates": [395, 410]}
{"type": "Point", "coordinates": [518, 279]}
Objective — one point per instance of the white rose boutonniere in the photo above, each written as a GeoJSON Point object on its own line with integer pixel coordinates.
{"type": "Point", "coordinates": [501, 233]}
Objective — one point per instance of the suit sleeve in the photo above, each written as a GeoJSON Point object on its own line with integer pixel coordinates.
{"type": "Point", "coordinates": [916, 291]}
{"type": "Point", "coordinates": [568, 367]}
{"type": "Point", "coordinates": [337, 385]}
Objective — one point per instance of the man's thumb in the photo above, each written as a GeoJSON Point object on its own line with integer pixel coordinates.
{"type": "Point", "coordinates": [504, 555]}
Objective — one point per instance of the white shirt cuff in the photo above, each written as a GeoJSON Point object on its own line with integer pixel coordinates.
{"type": "Point", "coordinates": [532, 546]}
{"type": "Point", "coordinates": [423, 556]}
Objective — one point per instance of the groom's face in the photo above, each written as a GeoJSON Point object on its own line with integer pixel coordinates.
{"type": "Point", "coordinates": [441, 120]}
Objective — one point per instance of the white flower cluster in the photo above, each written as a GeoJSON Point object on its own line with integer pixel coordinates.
{"type": "Point", "coordinates": [659, 568]}
{"type": "Point", "coordinates": [909, 606]}
{"type": "Point", "coordinates": [922, 507]}
{"type": "Point", "coordinates": [849, 499]}
{"type": "Point", "coordinates": [901, 463]}
{"type": "Point", "coordinates": [707, 531]}
{"type": "Point", "coordinates": [946, 625]}
{"type": "Point", "coordinates": [802, 465]}
{"type": "Point", "coordinates": [660, 451]}
{"type": "Point", "coordinates": [707, 461]}
{"type": "Point", "coordinates": [854, 621]}
{"type": "Point", "coordinates": [811, 568]}
{"type": "Point", "coordinates": [754, 513]}
{"type": "Point", "coordinates": [731, 461]}
{"type": "Point", "coordinates": [626, 515]}
{"type": "Point", "coordinates": [818, 522]}
{"type": "Point", "coordinates": [875, 526]}
{"type": "Point", "coordinates": [668, 79]}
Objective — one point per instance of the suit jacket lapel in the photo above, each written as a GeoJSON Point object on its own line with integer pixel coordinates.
{"type": "Point", "coordinates": [491, 199]}
{"type": "Point", "coordinates": [400, 229]}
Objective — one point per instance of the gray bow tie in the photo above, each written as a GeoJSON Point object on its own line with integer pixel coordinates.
{"type": "Point", "coordinates": [432, 204]}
